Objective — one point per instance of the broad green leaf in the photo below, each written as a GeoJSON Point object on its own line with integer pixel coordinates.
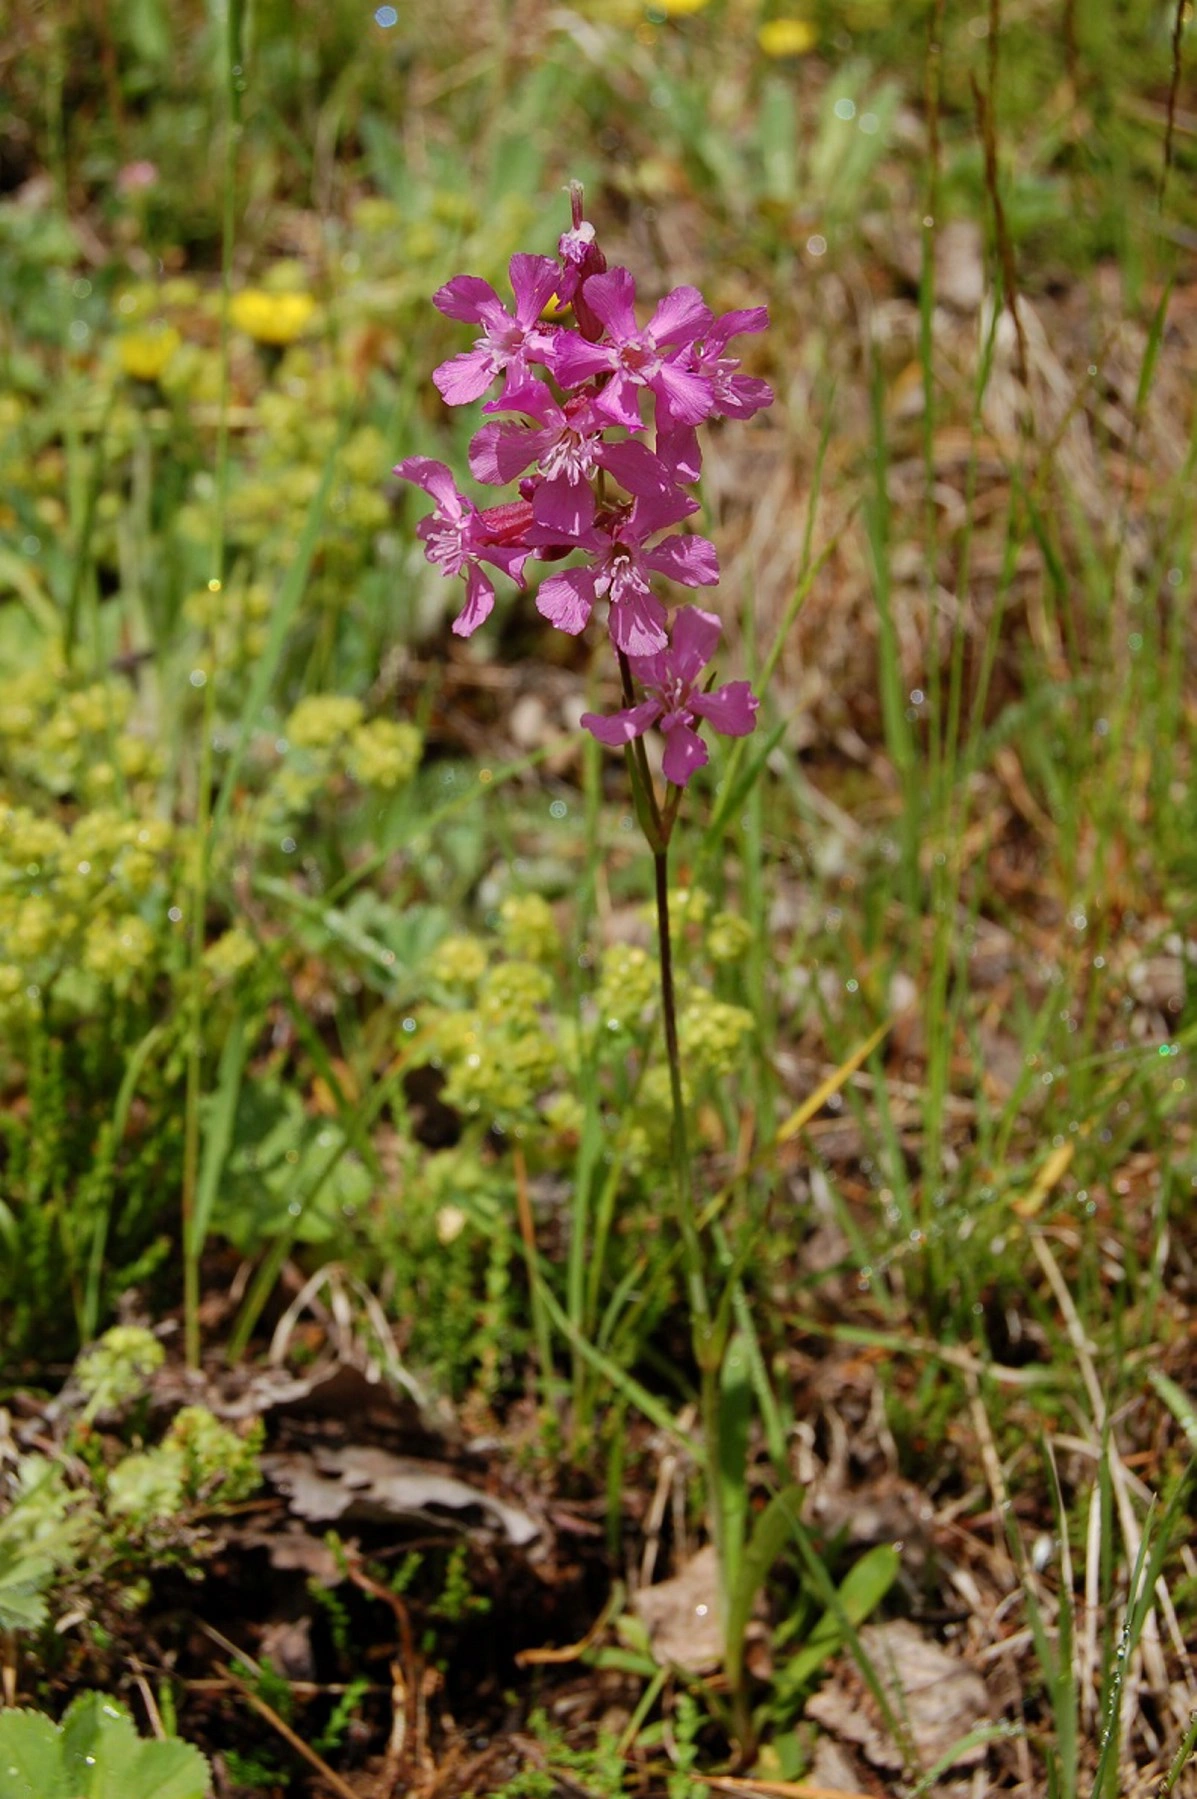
{"type": "Point", "coordinates": [769, 1533]}
{"type": "Point", "coordinates": [31, 1760]}
{"type": "Point", "coordinates": [167, 1770]}
{"type": "Point", "coordinates": [735, 1415]}
{"type": "Point", "coordinates": [862, 1590]}
{"type": "Point", "coordinates": [106, 1759]}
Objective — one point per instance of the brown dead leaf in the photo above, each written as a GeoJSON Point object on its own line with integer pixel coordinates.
{"type": "Point", "coordinates": [682, 1615]}
{"type": "Point", "coordinates": [934, 1690]}
{"type": "Point", "coordinates": [363, 1483]}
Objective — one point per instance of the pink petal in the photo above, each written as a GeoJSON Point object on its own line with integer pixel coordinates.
{"type": "Point", "coordinates": [574, 360]}
{"type": "Point", "coordinates": [690, 397]}
{"type": "Point", "coordinates": [735, 324]}
{"type": "Point", "coordinates": [466, 377]}
{"type": "Point", "coordinates": [620, 402]}
{"type": "Point", "coordinates": [637, 624]}
{"type": "Point", "coordinates": [695, 639]}
{"type": "Point", "coordinates": [435, 479]}
{"type": "Point", "coordinates": [677, 447]}
{"type": "Point", "coordinates": [534, 281]}
{"type": "Point", "coordinates": [685, 752]}
{"type": "Point", "coordinates": [565, 507]}
{"type": "Point", "coordinates": [480, 599]}
{"type": "Point", "coordinates": [498, 453]}
{"type": "Point", "coordinates": [654, 511]}
{"type": "Point", "coordinates": [732, 709]}
{"type": "Point", "coordinates": [464, 298]}
{"type": "Point", "coordinates": [618, 728]}
{"type": "Point", "coordinates": [690, 560]}
{"type": "Point", "coordinates": [611, 297]}
{"type": "Point", "coordinates": [566, 600]}
{"type": "Point", "coordinates": [745, 395]}
{"type": "Point", "coordinates": [682, 316]}
{"type": "Point", "coordinates": [636, 468]}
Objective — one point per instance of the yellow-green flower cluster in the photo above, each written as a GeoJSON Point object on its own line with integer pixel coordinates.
{"type": "Point", "coordinates": [527, 928]}
{"type": "Point", "coordinates": [233, 615]}
{"type": "Point", "coordinates": [628, 985]}
{"type": "Point", "coordinates": [383, 753]}
{"type": "Point", "coordinates": [458, 962]}
{"type": "Point", "coordinates": [74, 899]}
{"type": "Point", "coordinates": [712, 1033]}
{"type": "Point", "coordinates": [328, 739]}
{"type": "Point", "coordinates": [728, 937]}
{"type": "Point", "coordinates": [499, 1055]}
{"type": "Point", "coordinates": [71, 739]}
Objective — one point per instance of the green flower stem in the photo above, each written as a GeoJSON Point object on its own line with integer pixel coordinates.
{"type": "Point", "coordinates": [192, 1250]}
{"type": "Point", "coordinates": [657, 824]}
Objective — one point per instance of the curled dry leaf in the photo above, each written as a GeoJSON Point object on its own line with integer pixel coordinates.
{"type": "Point", "coordinates": [364, 1483]}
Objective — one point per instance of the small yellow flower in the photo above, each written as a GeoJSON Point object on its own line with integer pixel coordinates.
{"type": "Point", "coordinates": [787, 37]}
{"type": "Point", "coordinates": [145, 354]}
{"type": "Point", "coordinates": [677, 9]}
{"type": "Point", "coordinates": [275, 319]}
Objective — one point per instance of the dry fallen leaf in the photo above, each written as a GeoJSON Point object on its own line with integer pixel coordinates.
{"type": "Point", "coordinates": [357, 1483]}
{"type": "Point", "coordinates": [934, 1690]}
{"type": "Point", "coordinates": [682, 1615]}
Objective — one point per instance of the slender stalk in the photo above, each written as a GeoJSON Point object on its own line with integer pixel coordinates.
{"type": "Point", "coordinates": [683, 1183]}
{"type": "Point", "coordinates": [192, 1249]}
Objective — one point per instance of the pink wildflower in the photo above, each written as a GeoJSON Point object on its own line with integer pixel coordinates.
{"type": "Point", "coordinates": [508, 342]}
{"type": "Point", "coordinates": [568, 448]}
{"type": "Point", "coordinates": [676, 703]}
{"type": "Point", "coordinates": [459, 537]}
{"type": "Point", "coordinates": [638, 359]}
{"type": "Point", "coordinates": [619, 570]}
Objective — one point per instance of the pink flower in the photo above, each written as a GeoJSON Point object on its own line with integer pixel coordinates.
{"type": "Point", "coordinates": [568, 448]}
{"type": "Point", "coordinates": [675, 702]}
{"type": "Point", "coordinates": [459, 537]}
{"type": "Point", "coordinates": [638, 359]}
{"type": "Point", "coordinates": [735, 396]}
{"type": "Point", "coordinates": [620, 567]}
{"type": "Point", "coordinates": [508, 342]}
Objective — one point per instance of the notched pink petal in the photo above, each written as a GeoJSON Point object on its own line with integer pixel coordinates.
{"type": "Point", "coordinates": [690, 560]}
{"type": "Point", "coordinates": [695, 639]}
{"type": "Point", "coordinates": [480, 599]}
{"type": "Point", "coordinates": [677, 447]}
{"type": "Point", "coordinates": [534, 281]}
{"type": "Point", "coordinates": [435, 479]}
{"type": "Point", "coordinates": [682, 316]}
{"type": "Point", "coordinates": [619, 402]}
{"type": "Point", "coordinates": [637, 624]}
{"type": "Point", "coordinates": [498, 453]}
{"type": "Point", "coordinates": [690, 397]}
{"type": "Point", "coordinates": [564, 506]}
{"type": "Point", "coordinates": [566, 600]}
{"type": "Point", "coordinates": [464, 378]}
{"type": "Point", "coordinates": [736, 324]}
{"type": "Point", "coordinates": [611, 297]}
{"type": "Point", "coordinates": [573, 360]}
{"type": "Point", "coordinates": [732, 709]}
{"type": "Point", "coordinates": [685, 753]}
{"type": "Point", "coordinates": [464, 298]}
{"type": "Point", "coordinates": [617, 728]}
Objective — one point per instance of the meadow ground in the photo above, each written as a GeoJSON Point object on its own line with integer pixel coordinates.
{"type": "Point", "coordinates": [454, 1435]}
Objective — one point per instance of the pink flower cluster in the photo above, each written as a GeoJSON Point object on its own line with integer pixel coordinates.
{"type": "Point", "coordinates": [581, 394]}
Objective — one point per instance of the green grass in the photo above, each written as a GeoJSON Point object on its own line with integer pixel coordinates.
{"type": "Point", "coordinates": [966, 816]}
